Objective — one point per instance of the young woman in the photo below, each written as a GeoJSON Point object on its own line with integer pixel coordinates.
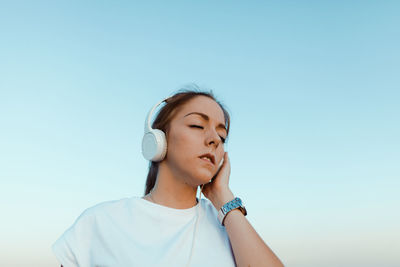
{"type": "Point", "coordinates": [169, 226]}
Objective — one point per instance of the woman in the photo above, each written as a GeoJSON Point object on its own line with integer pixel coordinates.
{"type": "Point", "coordinates": [169, 226]}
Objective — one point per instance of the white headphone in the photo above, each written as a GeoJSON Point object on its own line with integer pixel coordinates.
{"type": "Point", "coordinates": [154, 143]}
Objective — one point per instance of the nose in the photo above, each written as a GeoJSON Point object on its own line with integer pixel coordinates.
{"type": "Point", "coordinates": [213, 138]}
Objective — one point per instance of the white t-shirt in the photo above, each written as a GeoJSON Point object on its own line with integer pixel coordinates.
{"type": "Point", "coordinates": [136, 232]}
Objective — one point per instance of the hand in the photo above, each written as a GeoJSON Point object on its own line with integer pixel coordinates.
{"type": "Point", "coordinates": [217, 191]}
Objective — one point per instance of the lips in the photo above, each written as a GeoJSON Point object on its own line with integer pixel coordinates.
{"type": "Point", "coordinates": [211, 157]}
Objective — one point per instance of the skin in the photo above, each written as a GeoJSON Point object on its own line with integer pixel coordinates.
{"type": "Point", "coordinates": [182, 170]}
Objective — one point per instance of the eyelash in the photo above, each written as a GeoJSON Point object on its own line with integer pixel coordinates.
{"type": "Point", "coordinates": [201, 127]}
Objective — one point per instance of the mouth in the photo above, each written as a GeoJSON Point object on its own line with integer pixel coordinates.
{"type": "Point", "coordinates": [208, 158]}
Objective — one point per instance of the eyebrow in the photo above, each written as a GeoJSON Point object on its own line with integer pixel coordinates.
{"type": "Point", "coordinates": [204, 116]}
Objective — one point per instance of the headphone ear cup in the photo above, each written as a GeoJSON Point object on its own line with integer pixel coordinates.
{"type": "Point", "coordinates": [154, 145]}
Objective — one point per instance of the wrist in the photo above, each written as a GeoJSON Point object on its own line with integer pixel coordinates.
{"type": "Point", "coordinates": [230, 206]}
{"type": "Point", "coordinates": [222, 198]}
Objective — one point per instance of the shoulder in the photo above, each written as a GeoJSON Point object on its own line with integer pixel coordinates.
{"type": "Point", "coordinates": [107, 206]}
{"type": "Point", "coordinates": [104, 209]}
{"type": "Point", "coordinates": [75, 243]}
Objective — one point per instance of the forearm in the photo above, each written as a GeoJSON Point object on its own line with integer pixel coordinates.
{"type": "Point", "coordinates": [248, 247]}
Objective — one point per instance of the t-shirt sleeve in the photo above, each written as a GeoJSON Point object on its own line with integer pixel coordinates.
{"type": "Point", "coordinates": [64, 253]}
{"type": "Point", "coordinates": [72, 249]}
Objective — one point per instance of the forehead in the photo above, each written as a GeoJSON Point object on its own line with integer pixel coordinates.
{"type": "Point", "coordinates": [204, 105]}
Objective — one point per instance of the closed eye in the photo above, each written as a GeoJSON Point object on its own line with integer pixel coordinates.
{"type": "Point", "coordinates": [197, 126]}
{"type": "Point", "coordinates": [201, 127]}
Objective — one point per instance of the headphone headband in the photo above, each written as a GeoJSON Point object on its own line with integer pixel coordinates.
{"type": "Point", "coordinates": [147, 126]}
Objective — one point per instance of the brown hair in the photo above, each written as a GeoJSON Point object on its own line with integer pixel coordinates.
{"type": "Point", "coordinates": [165, 115]}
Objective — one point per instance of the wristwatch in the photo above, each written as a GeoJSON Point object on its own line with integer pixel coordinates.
{"type": "Point", "coordinates": [236, 203]}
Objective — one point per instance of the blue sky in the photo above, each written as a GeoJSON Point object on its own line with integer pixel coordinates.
{"type": "Point", "coordinates": [313, 91]}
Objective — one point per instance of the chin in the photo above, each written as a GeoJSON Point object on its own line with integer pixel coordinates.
{"type": "Point", "coordinates": [199, 174]}
{"type": "Point", "coordinates": [204, 176]}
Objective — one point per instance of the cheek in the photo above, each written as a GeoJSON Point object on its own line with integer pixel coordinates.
{"type": "Point", "coordinates": [185, 149]}
{"type": "Point", "coordinates": [180, 146]}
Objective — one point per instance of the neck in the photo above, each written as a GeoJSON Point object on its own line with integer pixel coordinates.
{"type": "Point", "coordinates": [172, 191]}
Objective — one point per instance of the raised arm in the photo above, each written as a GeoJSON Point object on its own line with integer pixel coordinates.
{"type": "Point", "coordinates": [248, 247]}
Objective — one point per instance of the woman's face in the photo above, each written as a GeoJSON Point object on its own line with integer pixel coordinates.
{"type": "Point", "coordinates": [196, 129]}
